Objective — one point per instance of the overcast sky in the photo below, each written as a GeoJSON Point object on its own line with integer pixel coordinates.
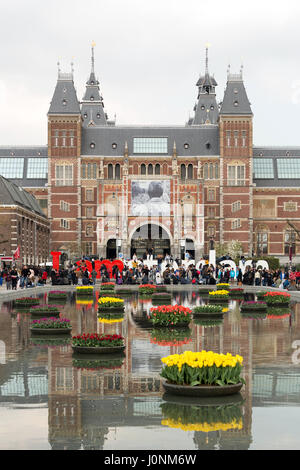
{"type": "Point", "coordinates": [148, 57]}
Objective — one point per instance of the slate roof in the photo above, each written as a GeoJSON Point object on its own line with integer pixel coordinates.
{"type": "Point", "coordinates": [197, 137]}
{"type": "Point", "coordinates": [64, 100]}
{"type": "Point", "coordinates": [12, 194]}
{"type": "Point", "coordinates": [235, 101]}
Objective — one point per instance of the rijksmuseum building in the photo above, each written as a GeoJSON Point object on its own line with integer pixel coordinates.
{"type": "Point", "coordinates": [109, 189]}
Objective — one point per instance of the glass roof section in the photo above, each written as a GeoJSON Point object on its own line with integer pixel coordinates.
{"type": "Point", "coordinates": [12, 167]}
{"type": "Point", "coordinates": [263, 168]}
{"type": "Point", "coordinates": [288, 168]}
{"type": "Point", "coordinates": [150, 145]}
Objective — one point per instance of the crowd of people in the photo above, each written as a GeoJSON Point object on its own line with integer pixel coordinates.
{"type": "Point", "coordinates": [139, 271]}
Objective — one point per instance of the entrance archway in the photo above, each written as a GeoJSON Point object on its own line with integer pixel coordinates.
{"type": "Point", "coordinates": [111, 249]}
{"type": "Point", "coordinates": [150, 238]}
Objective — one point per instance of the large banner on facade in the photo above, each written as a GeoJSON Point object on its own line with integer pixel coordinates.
{"type": "Point", "coordinates": [150, 198]}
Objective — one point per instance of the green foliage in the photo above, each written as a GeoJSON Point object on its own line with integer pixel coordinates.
{"type": "Point", "coordinates": [206, 375]}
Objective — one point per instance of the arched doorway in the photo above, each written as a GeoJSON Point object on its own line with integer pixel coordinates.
{"type": "Point", "coordinates": [111, 249]}
{"type": "Point", "coordinates": [150, 238]}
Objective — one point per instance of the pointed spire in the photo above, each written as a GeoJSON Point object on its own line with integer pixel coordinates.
{"type": "Point", "coordinates": [93, 58]}
{"type": "Point", "coordinates": [206, 58]}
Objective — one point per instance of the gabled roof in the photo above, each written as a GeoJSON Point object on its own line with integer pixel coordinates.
{"type": "Point", "coordinates": [12, 194]}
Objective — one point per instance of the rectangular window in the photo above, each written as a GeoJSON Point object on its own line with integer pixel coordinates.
{"type": "Point", "coordinates": [236, 224]}
{"type": "Point", "coordinates": [236, 135]}
{"type": "Point", "coordinates": [211, 195]}
{"type": "Point", "coordinates": [12, 167]}
{"type": "Point", "coordinates": [244, 135]}
{"type": "Point", "coordinates": [89, 194]}
{"type": "Point", "coordinates": [228, 134]}
{"type": "Point", "coordinates": [37, 168]}
{"type": "Point", "coordinates": [88, 248]}
{"type": "Point", "coordinates": [150, 145]}
{"type": "Point", "coordinates": [64, 175]}
{"type": "Point", "coordinates": [236, 206]}
{"type": "Point", "coordinates": [211, 212]}
{"type": "Point", "coordinates": [89, 212]}
{"type": "Point", "coordinates": [64, 206]}
{"type": "Point", "coordinates": [64, 224]}
{"type": "Point", "coordinates": [236, 175]}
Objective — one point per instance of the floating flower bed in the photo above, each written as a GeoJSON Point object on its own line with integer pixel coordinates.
{"type": "Point", "coordinates": [236, 292]}
{"type": "Point", "coordinates": [170, 336]}
{"type": "Point", "coordinates": [161, 297]}
{"type": "Point", "coordinates": [203, 373]}
{"type": "Point", "coordinates": [57, 294]}
{"type": "Point", "coordinates": [107, 287]}
{"type": "Point", "coordinates": [170, 315]}
{"type": "Point", "coordinates": [253, 306]}
{"type": "Point", "coordinates": [260, 295]}
{"type": "Point", "coordinates": [26, 302]}
{"type": "Point", "coordinates": [280, 299]}
{"type": "Point", "coordinates": [45, 310]}
{"type": "Point", "coordinates": [51, 325]}
{"type": "Point", "coordinates": [219, 296]}
{"type": "Point", "coordinates": [223, 286]}
{"type": "Point", "coordinates": [202, 418]}
{"type": "Point", "coordinates": [209, 310]}
{"type": "Point", "coordinates": [147, 289]}
{"type": "Point", "coordinates": [110, 304]}
{"type": "Point", "coordinates": [84, 290]}
{"type": "Point", "coordinates": [93, 343]}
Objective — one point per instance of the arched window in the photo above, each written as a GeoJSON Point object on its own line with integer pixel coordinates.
{"type": "Point", "coordinates": [206, 171]}
{"type": "Point", "coordinates": [157, 169]}
{"type": "Point", "coordinates": [150, 169]}
{"type": "Point", "coordinates": [110, 171]}
{"type": "Point", "coordinates": [289, 242]}
{"type": "Point", "coordinates": [117, 171]}
{"type": "Point", "coordinates": [143, 169]}
{"type": "Point", "coordinates": [211, 171]}
{"type": "Point", "coordinates": [262, 241]}
{"type": "Point", "coordinates": [190, 171]}
{"type": "Point", "coordinates": [183, 172]}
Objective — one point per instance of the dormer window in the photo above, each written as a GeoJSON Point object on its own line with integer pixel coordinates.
{"type": "Point", "coordinates": [92, 145]}
{"type": "Point", "coordinates": [92, 98]}
{"type": "Point", "coordinates": [203, 107]}
{"type": "Point", "coordinates": [207, 145]}
{"type": "Point", "coordinates": [236, 103]}
{"type": "Point", "coordinates": [64, 102]}
{"type": "Point", "coordinates": [98, 116]}
{"type": "Point", "coordinates": [114, 145]}
{"type": "Point", "coordinates": [186, 146]}
{"type": "Point", "coordinates": [85, 115]}
{"type": "Point", "coordinates": [212, 107]}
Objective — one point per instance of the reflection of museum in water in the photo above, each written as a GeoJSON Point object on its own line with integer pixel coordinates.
{"type": "Point", "coordinates": [87, 407]}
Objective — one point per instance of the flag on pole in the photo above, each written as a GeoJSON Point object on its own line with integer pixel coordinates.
{"type": "Point", "coordinates": [17, 253]}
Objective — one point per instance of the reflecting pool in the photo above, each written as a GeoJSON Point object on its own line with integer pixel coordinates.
{"type": "Point", "coordinates": [52, 399]}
